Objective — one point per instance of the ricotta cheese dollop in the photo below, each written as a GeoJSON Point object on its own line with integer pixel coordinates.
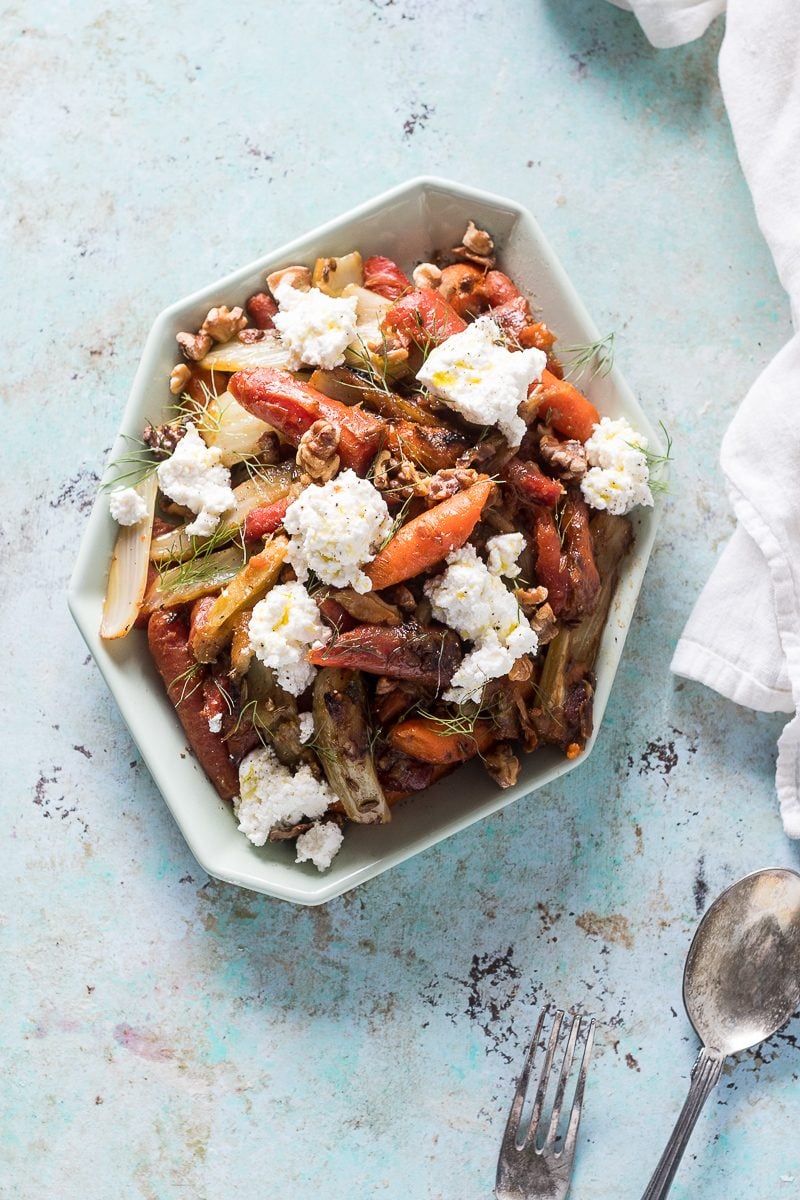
{"type": "Point", "coordinates": [315, 329]}
{"type": "Point", "coordinates": [478, 605]}
{"type": "Point", "coordinates": [476, 375]}
{"type": "Point", "coordinates": [503, 551]}
{"type": "Point", "coordinates": [270, 796]}
{"type": "Point", "coordinates": [337, 528]}
{"type": "Point", "coordinates": [126, 506]}
{"type": "Point", "coordinates": [194, 477]}
{"type": "Point", "coordinates": [618, 477]}
{"type": "Point", "coordinates": [283, 627]}
{"type": "Point", "coordinates": [320, 844]}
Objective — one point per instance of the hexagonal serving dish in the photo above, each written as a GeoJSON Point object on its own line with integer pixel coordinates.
{"type": "Point", "coordinates": [407, 223]}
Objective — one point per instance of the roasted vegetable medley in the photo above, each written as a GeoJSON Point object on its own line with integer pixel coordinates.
{"type": "Point", "coordinates": [376, 535]}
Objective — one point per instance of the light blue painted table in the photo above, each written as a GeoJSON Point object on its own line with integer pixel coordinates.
{"type": "Point", "coordinates": [167, 1036]}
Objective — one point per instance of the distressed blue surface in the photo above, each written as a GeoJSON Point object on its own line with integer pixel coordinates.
{"type": "Point", "coordinates": [166, 1035]}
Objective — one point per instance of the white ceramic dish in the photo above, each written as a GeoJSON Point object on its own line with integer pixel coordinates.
{"type": "Point", "coordinates": [407, 224]}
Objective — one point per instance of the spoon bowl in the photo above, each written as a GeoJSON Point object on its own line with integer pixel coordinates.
{"type": "Point", "coordinates": [741, 982]}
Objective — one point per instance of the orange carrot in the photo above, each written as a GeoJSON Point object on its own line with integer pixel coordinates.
{"type": "Point", "coordinates": [429, 537]}
{"type": "Point", "coordinates": [566, 409]}
{"type": "Point", "coordinates": [428, 740]}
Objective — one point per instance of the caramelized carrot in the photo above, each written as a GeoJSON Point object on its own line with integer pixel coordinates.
{"type": "Point", "coordinates": [428, 538]}
{"type": "Point", "coordinates": [265, 519]}
{"type": "Point", "coordinates": [292, 407]}
{"type": "Point", "coordinates": [433, 447]}
{"type": "Point", "coordinates": [422, 318]}
{"type": "Point", "coordinates": [566, 409]}
{"type": "Point", "coordinates": [383, 276]}
{"type": "Point", "coordinates": [551, 566]}
{"type": "Point", "coordinates": [531, 484]}
{"type": "Point", "coordinates": [428, 740]}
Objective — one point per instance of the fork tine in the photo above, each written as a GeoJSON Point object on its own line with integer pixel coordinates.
{"type": "Point", "coordinates": [562, 1081]}
{"type": "Point", "coordinates": [512, 1125]}
{"type": "Point", "coordinates": [575, 1116]}
{"type": "Point", "coordinates": [538, 1102]}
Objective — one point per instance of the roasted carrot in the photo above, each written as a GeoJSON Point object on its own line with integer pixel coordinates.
{"type": "Point", "coordinates": [422, 318]}
{"type": "Point", "coordinates": [292, 407]}
{"type": "Point", "coordinates": [566, 409]}
{"type": "Point", "coordinates": [383, 276]}
{"type": "Point", "coordinates": [428, 655]}
{"type": "Point", "coordinates": [433, 447]}
{"type": "Point", "coordinates": [530, 484]}
{"type": "Point", "coordinates": [428, 538]}
{"type": "Point", "coordinates": [551, 566]}
{"type": "Point", "coordinates": [428, 740]}
{"type": "Point", "coordinates": [265, 519]}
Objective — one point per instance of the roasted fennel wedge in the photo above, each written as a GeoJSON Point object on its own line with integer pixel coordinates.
{"type": "Point", "coordinates": [127, 577]}
{"type": "Point", "coordinates": [342, 743]}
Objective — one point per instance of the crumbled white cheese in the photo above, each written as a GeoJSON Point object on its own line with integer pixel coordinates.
{"type": "Point", "coordinates": [482, 610]}
{"type": "Point", "coordinates": [193, 476]}
{"type": "Point", "coordinates": [127, 506]}
{"type": "Point", "coordinates": [215, 723]}
{"type": "Point", "coordinates": [270, 795]}
{"type": "Point", "coordinates": [315, 329]}
{"type": "Point", "coordinates": [618, 476]}
{"type": "Point", "coordinates": [337, 528]}
{"type": "Point", "coordinates": [475, 374]}
{"type": "Point", "coordinates": [320, 844]}
{"type": "Point", "coordinates": [306, 726]}
{"type": "Point", "coordinates": [283, 626]}
{"type": "Point", "coordinates": [504, 550]}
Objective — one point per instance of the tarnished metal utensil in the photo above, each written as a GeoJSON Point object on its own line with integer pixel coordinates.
{"type": "Point", "coordinates": [741, 983]}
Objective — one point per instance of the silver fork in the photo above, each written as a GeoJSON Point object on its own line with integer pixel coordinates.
{"type": "Point", "coordinates": [526, 1171]}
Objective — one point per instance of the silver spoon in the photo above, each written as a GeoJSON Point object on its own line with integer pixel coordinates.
{"type": "Point", "coordinates": [740, 984]}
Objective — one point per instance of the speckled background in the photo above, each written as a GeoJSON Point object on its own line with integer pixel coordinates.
{"type": "Point", "coordinates": [168, 1036]}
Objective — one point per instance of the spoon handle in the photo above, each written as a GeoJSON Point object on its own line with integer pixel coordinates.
{"type": "Point", "coordinates": [705, 1075]}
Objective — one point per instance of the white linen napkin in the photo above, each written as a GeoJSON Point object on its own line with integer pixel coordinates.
{"type": "Point", "coordinates": [743, 637]}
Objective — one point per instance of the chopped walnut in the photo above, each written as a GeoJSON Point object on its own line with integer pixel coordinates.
{"type": "Point", "coordinates": [529, 599]}
{"type": "Point", "coordinates": [502, 764]}
{"type": "Point", "coordinates": [223, 323]}
{"type": "Point", "coordinates": [399, 477]}
{"type": "Point", "coordinates": [478, 240]}
{"type": "Point", "coordinates": [296, 277]}
{"type": "Point", "coordinates": [522, 670]}
{"type": "Point", "coordinates": [544, 624]}
{"type": "Point", "coordinates": [251, 335]}
{"type": "Point", "coordinates": [162, 439]}
{"type": "Point", "coordinates": [568, 459]}
{"type": "Point", "coordinates": [426, 275]}
{"type": "Point", "coordinates": [179, 377]}
{"type": "Point", "coordinates": [317, 455]}
{"type": "Point", "coordinates": [448, 482]}
{"type": "Point", "coordinates": [532, 601]}
{"type": "Point", "coordinates": [477, 247]}
{"type": "Point", "coordinates": [194, 345]}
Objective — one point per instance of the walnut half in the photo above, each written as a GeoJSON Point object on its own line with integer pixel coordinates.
{"type": "Point", "coordinates": [317, 453]}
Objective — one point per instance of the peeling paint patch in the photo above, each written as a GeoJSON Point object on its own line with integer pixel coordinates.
{"type": "Point", "coordinates": [613, 928]}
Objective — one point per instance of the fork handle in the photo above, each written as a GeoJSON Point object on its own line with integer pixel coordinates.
{"type": "Point", "coordinates": [705, 1076]}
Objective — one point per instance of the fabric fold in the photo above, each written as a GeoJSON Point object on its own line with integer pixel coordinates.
{"type": "Point", "coordinates": [743, 636]}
